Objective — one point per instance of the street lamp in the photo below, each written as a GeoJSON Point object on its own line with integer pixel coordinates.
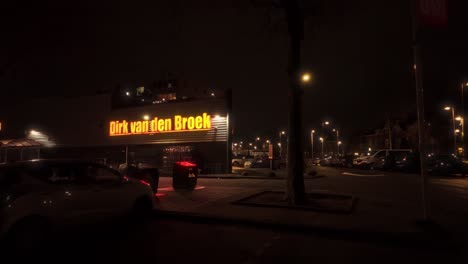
{"type": "Point", "coordinates": [448, 108]}
{"type": "Point", "coordinates": [463, 85]}
{"type": "Point", "coordinates": [337, 140]}
{"type": "Point", "coordinates": [280, 140]}
{"type": "Point", "coordinates": [312, 143]}
{"type": "Point", "coordinates": [306, 77]}
{"type": "Point", "coordinates": [339, 144]}
{"type": "Point", "coordinates": [321, 140]}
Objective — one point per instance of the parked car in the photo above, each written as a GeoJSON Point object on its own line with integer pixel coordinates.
{"type": "Point", "coordinates": [240, 161]}
{"type": "Point", "coordinates": [260, 163]}
{"type": "Point", "coordinates": [39, 196]}
{"type": "Point", "coordinates": [142, 171]}
{"type": "Point", "coordinates": [381, 159]}
{"type": "Point", "coordinates": [315, 161]}
{"type": "Point", "coordinates": [446, 165]}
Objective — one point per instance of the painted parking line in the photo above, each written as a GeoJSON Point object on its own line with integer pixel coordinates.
{"type": "Point", "coordinates": [362, 175]}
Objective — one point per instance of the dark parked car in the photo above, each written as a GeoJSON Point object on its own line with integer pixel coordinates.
{"type": "Point", "coordinates": [260, 163]}
{"type": "Point", "coordinates": [446, 165]}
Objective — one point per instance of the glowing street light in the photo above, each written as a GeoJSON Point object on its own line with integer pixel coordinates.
{"type": "Point", "coordinates": [306, 77]}
{"type": "Point", "coordinates": [458, 118]}
{"type": "Point", "coordinates": [146, 117]}
{"type": "Point", "coordinates": [326, 123]}
{"type": "Point", "coordinates": [127, 93]}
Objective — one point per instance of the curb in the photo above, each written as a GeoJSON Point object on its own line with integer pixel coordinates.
{"type": "Point", "coordinates": [417, 239]}
{"type": "Point", "coordinates": [252, 177]}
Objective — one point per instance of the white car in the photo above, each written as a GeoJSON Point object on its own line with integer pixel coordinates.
{"type": "Point", "coordinates": [39, 196]}
{"type": "Point", "coordinates": [377, 158]}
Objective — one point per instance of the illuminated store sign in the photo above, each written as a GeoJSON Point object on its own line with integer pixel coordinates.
{"type": "Point", "coordinates": [160, 125]}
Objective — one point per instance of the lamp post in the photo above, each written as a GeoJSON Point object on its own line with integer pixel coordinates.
{"type": "Point", "coordinates": [281, 141]}
{"type": "Point", "coordinates": [312, 143]}
{"type": "Point", "coordinates": [339, 144]}
{"type": "Point", "coordinates": [448, 108]}
{"type": "Point", "coordinates": [463, 85]}
{"type": "Point", "coordinates": [337, 140]}
{"type": "Point", "coordinates": [321, 140]}
{"type": "Point", "coordinates": [462, 123]}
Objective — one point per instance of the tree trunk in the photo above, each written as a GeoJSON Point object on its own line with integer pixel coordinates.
{"type": "Point", "coordinates": [295, 192]}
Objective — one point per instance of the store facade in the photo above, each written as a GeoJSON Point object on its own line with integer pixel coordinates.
{"type": "Point", "coordinates": [161, 134]}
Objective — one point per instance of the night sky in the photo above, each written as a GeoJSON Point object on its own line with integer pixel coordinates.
{"type": "Point", "coordinates": [359, 53]}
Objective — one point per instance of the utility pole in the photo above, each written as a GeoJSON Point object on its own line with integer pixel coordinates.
{"type": "Point", "coordinates": [463, 118]}
{"type": "Point", "coordinates": [312, 132]}
{"type": "Point", "coordinates": [417, 66]}
{"type": "Point", "coordinates": [453, 132]}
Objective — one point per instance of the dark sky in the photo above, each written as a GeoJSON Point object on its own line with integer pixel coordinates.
{"type": "Point", "coordinates": [359, 53]}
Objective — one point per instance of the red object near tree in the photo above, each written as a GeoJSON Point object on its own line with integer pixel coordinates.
{"type": "Point", "coordinates": [433, 12]}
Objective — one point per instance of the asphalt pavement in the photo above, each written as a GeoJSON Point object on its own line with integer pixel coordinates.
{"type": "Point", "coordinates": [184, 239]}
{"type": "Point", "coordinates": [176, 241]}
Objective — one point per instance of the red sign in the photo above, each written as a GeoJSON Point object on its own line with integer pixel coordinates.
{"type": "Point", "coordinates": [433, 12]}
{"type": "Point", "coordinates": [271, 152]}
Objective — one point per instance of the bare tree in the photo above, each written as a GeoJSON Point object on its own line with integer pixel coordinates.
{"type": "Point", "coordinates": [295, 190]}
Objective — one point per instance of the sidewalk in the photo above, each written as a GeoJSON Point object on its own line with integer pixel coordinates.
{"type": "Point", "coordinates": [370, 221]}
{"type": "Point", "coordinates": [251, 173]}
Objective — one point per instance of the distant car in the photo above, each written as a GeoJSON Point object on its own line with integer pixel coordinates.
{"type": "Point", "coordinates": [142, 171]}
{"type": "Point", "coordinates": [260, 163]}
{"type": "Point", "coordinates": [240, 162]}
{"type": "Point", "coordinates": [315, 161]}
{"type": "Point", "coordinates": [333, 161]}
{"type": "Point", "coordinates": [39, 196]}
{"type": "Point", "coordinates": [381, 159]}
{"type": "Point", "coordinates": [446, 165]}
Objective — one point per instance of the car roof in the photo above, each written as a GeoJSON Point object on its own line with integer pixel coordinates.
{"type": "Point", "coordinates": [46, 162]}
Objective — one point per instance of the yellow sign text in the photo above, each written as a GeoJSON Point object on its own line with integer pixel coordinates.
{"type": "Point", "coordinates": [160, 125]}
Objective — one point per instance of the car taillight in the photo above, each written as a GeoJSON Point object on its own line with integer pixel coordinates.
{"type": "Point", "coordinates": [145, 183]}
